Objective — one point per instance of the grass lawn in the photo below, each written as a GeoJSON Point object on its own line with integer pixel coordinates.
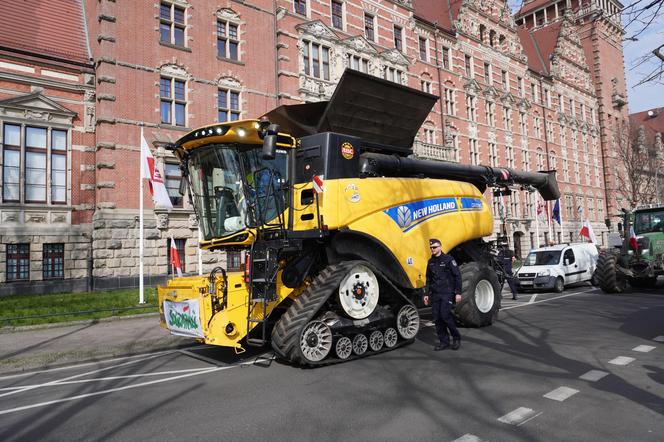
{"type": "Point", "coordinates": [31, 305]}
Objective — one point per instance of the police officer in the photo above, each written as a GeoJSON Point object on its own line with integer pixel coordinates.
{"type": "Point", "coordinates": [506, 258]}
{"type": "Point", "coordinates": [444, 285]}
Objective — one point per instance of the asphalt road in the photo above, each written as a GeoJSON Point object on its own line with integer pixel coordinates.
{"type": "Point", "coordinates": [556, 367]}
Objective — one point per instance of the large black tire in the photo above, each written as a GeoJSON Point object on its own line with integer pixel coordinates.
{"type": "Point", "coordinates": [467, 310]}
{"type": "Point", "coordinates": [643, 283]}
{"type": "Point", "coordinates": [608, 278]}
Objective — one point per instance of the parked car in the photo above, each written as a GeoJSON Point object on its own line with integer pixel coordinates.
{"type": "Point", "coordinates": [554, 267]}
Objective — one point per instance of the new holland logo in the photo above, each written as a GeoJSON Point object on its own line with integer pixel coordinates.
{"type": "Point", "coordinates": [404, 217]}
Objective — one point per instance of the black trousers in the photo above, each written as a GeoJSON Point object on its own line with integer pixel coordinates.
{"type": "Point", "coordinates": [442, 316]}
{"type": "Point", "coordinates": [511, 281]}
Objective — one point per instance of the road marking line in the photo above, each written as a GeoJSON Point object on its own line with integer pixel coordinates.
{"type": "Point", "coordinates": [593, 375]}
{"type": "Point", "coordinates": [643, 348]}
{"type": "Point", "coordinates": [561, 393]}
{"type": "Point", "coordinates": [468, 438]}
{"type": "Point", "coordinates": [519, 416]}
{"type": "Point", "coordinates": [47, 384]}
{"type": "Point", "coordinates": [86, 364]}
{"type": "Point", "coordinates": [126, 387]}
{"type": "Point", "coordinates": [659, 339]}
{"type": "Point", "coordinates": [109, 378]}
{"type": "Point", "coordinates": [546, 300]}
{"type": "Point", "coordinates": [532, 298]}
{"type": "Point", "coordinates": [622, 360]}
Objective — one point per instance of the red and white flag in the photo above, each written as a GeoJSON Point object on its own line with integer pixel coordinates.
{"type": "Point", "coordinates": [542, 210]}
{"type": "Point", "coordinates": [587, 231]}
{"type": "Point", "coordinates": [632, 238]}
{"type": "Point", "coordinates": [175, 258]}
{"type": "Point", "coordinates": [151, 172]}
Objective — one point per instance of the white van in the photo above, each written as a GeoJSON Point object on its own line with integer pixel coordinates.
{"type": "Point", "coordinates": [552, 268]}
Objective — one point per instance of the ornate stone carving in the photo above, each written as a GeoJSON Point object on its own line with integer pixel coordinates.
{"type": "Point", "coordinates": [228, 14]}
{"type": "Point", "coordinates": [360, 44]}
{"type": "Point", "coordinates": [162, 221]}
{"type": "Point", "coordinates": [317, 29]}
{"type": "Point", "coordinates": [9, 217]}
{"type": "Point", "coordinates": [174, 70]}
{"type": "Point", "coordinates": [472, 87]}
{"type": "Point", "coordinates": [193, 221]}
{"type": "Point", "coordinates": [35, 218]}
{"type": "Point", "coordinates": [490, 93]}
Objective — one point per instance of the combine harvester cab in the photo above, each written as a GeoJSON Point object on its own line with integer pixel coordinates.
{"type": "Point", "coordinates": [334, 213]}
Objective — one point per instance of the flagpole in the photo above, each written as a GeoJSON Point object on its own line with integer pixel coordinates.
{"type": "Point", "coordinates": [537, 220]}
{"type": "Point", "coordinates": [548, 217]}
{"type": "Point", "coordinates": [562, 221]}
{"type": "Point", "coordinates": [141, 298]}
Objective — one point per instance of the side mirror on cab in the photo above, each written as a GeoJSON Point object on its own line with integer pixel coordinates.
{"type": "Point", "coordinates": [270, 142]}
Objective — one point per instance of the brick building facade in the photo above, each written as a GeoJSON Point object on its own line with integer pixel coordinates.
{"type": "Point", "coordinates": [536, 90]}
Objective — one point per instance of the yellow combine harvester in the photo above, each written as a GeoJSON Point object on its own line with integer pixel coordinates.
{"type": "Point", "coordinates": [334, 214]}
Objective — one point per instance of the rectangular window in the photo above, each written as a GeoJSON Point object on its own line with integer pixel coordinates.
{"type": "Point", "coordinates": [490, 114]}
{"type": "Point", "coordinates": [398, 38]}
{"type": "Point", "coordinates": [522, 90]}
{"type": "Point", "coordinates": [583, 111]}
{"type": "Point", "coordinates": [11, 164]}
{"type": "Point", "coordinates": [316, 60]}
{"type": "Point", "coordinates": [523, 125]}
{"type": "Point", "coordinates": [171, 24]}
{"type": "Point", "coordinates": [172, 179]}
{"type": "Point", "coordinates": [358, 63]}
{"type": "Point", "coordinates": [469, 65]}
{"type": "Point", "coordinates": [474, 152]}
{"type": "Point", "coordinates": [450, 105]}
{"type": "Point", "coordinates": [426, 86]}
{"type": "Point", "coordinates": [561, 103]}
{"type": "Point", "coordinates": [369, 27]}
{"type": "Point", "coordinates": [179, 245]}
{"type": "Point", "coordinates": [505, 80]}
{"type": "Point", "coordinates": [507, 119]}
{"type": "Point", "coordinates": [526, 160]}
{"type": "Point", "coordinates": [471, 107]}
{"type": "Point", "coordinates": [430, 135]}
{"type": "Point", "coordinates": [173, 105]}
{"type": "Point", "coordinates": [533, 92]}
{"type": "Point", "coordinates": [538, 127]}
{"type": "Point", "coordinates": [300, 6]}
{"type": "Point", "coordinates": [446, 58]}
{"type": "Point", "coordinates": [392, 74]}
{"type": "Point", "coordinates": [58, 166]}
{"type": "Point", "coordinates": [487, 73]}
{"type": "Point", "coordinates": [18, 262]}
{"type": "Point", "coordinates": [547, 97]}
{"type": "Point", "coordinates": [423, 49]}
{"type": "Point", "coordinates": [549, 131]}
{"type": "Point", "coordinates": [337, 15]}
{"type": "Point", "coordinates": [35, 165]}
{"type": "Point", "coordinates": [228, 105]}
{"type": "Point", "coordinates": [572, 109]}
{"type": "Point", "coordinates": [53, 265]}
{"type": "Point", "coordinates": [233, 260]}
{"type": "Point", "coordinates": [227, 40]}
{"type": "Point", "coordinates": [493, 154]}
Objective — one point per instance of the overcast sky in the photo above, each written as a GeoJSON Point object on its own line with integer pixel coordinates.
{"type": "Point", "coordinates": [646, 96]}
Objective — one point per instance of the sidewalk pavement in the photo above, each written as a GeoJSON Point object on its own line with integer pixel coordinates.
{"type": "Point", "coordinates": [29, 348]}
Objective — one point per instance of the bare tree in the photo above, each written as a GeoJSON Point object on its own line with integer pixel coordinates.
{"type": "Point", "coordinates": [638, 17]}
{"type": "Point", "coordinates": [637, 164]}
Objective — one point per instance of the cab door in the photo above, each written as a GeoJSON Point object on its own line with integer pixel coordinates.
{"type": "Point", "coordinates": [573, 271]}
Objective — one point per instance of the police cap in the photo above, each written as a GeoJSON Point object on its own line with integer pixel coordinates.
{"type": "Point", "coordinates": [433, 242]}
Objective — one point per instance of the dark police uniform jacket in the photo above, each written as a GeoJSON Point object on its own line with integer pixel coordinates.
{"type": "Point", "coordinates": [443, 278]}
{"type": "Point", "coordinates": [505, 257]}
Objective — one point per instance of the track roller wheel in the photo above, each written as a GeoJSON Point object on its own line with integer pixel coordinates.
{"type": "Point", "coordinates": [376, 340]}
{"type": "Point", "coordinates": [316, 341]}
{"type": "Point", "coordinates": [358, 292]}
{"type": "Point", "coordinates": [390, 337]}
{"type": "Point", "coordinates": [408, 321]}
{"type": "Point", "coordinates": [360, 344]}
{"type": "Point", "coordinates": [344, 348]}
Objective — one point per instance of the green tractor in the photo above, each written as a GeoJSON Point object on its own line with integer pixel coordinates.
{"type": "Point", "coordinates": [640, 259]}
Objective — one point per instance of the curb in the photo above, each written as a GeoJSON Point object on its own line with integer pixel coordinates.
{"type": "Point", "coordinates": [20, 328]}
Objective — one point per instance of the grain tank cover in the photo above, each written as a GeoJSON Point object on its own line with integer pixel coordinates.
{"type": "Point", "coordinates": [364, 106]}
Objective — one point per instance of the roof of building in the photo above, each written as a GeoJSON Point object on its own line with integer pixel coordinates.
{"type": "Point", "coordinates": [538, 45]}
{"type": "Point", "coordinates": [439, 12]}
{"type": "Point", "coordinates": [55, 29]}
{"type": "Point", "coordinates": [652, 121]}
{"type": "Point", "coordinates": [532, 5]}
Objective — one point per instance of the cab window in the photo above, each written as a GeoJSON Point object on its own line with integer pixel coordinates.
{"type": "Point", "coordinates": [568, 257]}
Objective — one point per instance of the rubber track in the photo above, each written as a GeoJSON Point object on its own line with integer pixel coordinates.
{"type": "Point", "coordinates": [606, 273]}
{"type": "Point", "coordinates": [286, 333]}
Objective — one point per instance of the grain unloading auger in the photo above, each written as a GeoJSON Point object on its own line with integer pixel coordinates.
{"type": "Point", "coordinates": [334, 215]}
